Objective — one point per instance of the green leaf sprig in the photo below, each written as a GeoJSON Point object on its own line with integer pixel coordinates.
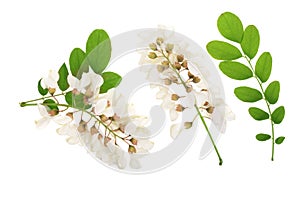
{"type": "Point", "coordinates": [247, 41]}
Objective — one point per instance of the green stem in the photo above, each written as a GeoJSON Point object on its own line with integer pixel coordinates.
{"type": "Point", "coordinates": [25, 103]}
{"type": "Point", "coordinates": [174, 70]}
{"type": "Point", "coordinates": [201, 117]}
{"type": "Point", "coordinates": [267, 103]}
{"type": "Point", "coordinates": [209, 134]}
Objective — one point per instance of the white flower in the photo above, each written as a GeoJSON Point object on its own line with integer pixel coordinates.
{"type": "Point", "coordinates": [144, 146]}
{"type": "Point", "coordinates": [104, 103]}
{"type": "Point", "coordinates": [175, 130]}
{"type": "Point", "coordinates": [51, 80]}
{"type": "Point", "coordinates": [167, 102]}
{"type": "Point", "coordinates": [69, 130]}
{"type": "Point", "coordinates": [89, 84]}
{"type": "Point", "coordinates": [46, 118]}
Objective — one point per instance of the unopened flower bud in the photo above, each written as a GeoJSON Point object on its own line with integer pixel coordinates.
{"type": "Point", "coordinates": [175, 97]}
{"type": "Point", "coordinates": [174, 79]}
{"type": "Point", "coordinates": [190, 74]}
{"type": "Point", "coordinates": [153, 46]}
{"type": "Point", "coordinates": [133, 141]}
{"type": "Point", "coordinates": [179, 108]}
{"type": "Point", "coordinates": [159, 40]}
{"type": "Point", "coordinates": [189, 89]}
{"type": "Point", "coordinates": [152, 55]}
{"type": "Point", "coordinates": [165, 63]}
{"type": "Point", "coordinates": [169, 48]}
{"type": "Point", "coordinates": [89, 93]}
{"type": "Point", "coordinates": [53, 112]}
{"type": "Point", "coordinates": [131, 149]}
{"type": "Point", "coordinates": [180, 58]}
{"type": "Point", "coordinates": [70, 114]}
{"type": "Point", "coordinates": [100, 137]}
{"type": "Point", "coordinates": [206, 103]}
{"type": "Point", "coordinates": [103, 118]}
{"type": "Point", "coordinates": [177, 65]}
{"type": "Point", "coordinates": [115, 117]}
{"type": "Point", "coordinates": [184, 64]}
{"type": "Point", "coordinates": [210, 109]}
{"type": "Point", "coordinates": [93, 130]}
{"type": "Point", "coordinates": [188, 125]}
{"type": "Point", "coordinates": [196, 79]}
{"type": "Point", "coordinates": [51, 91]}
{"type": "Point", "coordinates": [75, 91]}
{"type": "Point", "coordinates": [160, 68]}
{"type": "Point", "coordinates": [167, 81]}
{"type": "Point", "coordinates": [106, 140]}
{"type": "Point", "coordinates": [122, 128]}
{"type": "Point", "coordinates": [82, 126]}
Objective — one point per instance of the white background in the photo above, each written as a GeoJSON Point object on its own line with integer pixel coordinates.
{"type": "Point", "coordinates": [38, 164]}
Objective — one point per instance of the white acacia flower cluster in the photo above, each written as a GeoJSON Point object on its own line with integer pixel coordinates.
{"type": "Point", "coordinates": [103, 125]}
{"type": "Point", "coordinates": [175, 74]}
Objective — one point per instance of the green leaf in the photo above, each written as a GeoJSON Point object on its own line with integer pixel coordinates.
{"type": "Point", "coordinates": [51, 106]}
{"type": "Point", "coordinates": [76, 100]}
{"type": "Point", "coordinates": [42, 91]}
{"type": "Point", "coordinates": [263, 66]}
{"type": "Point", "coordinates": [278, 115]}
{"type": "Point", "coordinates": [247, 94]}
{"type": "Point", "coordinates": [98, 49]}
{"type": "Point", "coordinates": [235, 70]}
{"type": "Point", "coordinates": [63, 78]}
{"type": "Point", "coordinates": [223, 50]}
{"type": "Point", "coordinates": [263, 137]}
{"type": "Point", "coordinates": [111, 80]}
{"type": "Point", "coordinates": [272, 92]}
{"type": "Point", "coordinates": [279, 140]}
{"type": "Point", "coordinates": [250, 42]}
{"type": "Point", "coordinates": [230, 26]}
{"type": "Point", "coordinates": [258, 114]}
{"type": "Point", "coordinates": [77, 62]}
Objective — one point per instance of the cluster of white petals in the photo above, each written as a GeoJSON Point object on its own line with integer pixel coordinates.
{"type": "Point", "coordinates": [105, 128]}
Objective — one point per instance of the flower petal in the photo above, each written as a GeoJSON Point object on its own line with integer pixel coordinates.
{"type": "Point", "coordinates": [145, 144]}
{"type": "Point", "coordinates": [73, 140]}
{"type": "Point", "coordinates": [61, 119]}
{"type": "Point", "coordinates": [73, 81]}
{"type": "Point", "coordinates": [42, 123]}
{"type": "Point", "coordinates": [100, 106]}
{"type": "Point", "coordinates": [43, 111]}
{"type": "Point", "coordinates": [173, 114]}
{"type": "Point", "coordinates": [175, 130]}
{"type": "Point", "coordinates": [135, 163]}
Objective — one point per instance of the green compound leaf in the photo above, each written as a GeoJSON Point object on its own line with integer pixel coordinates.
{"type": "Point", "coordinates": [230, 26]}
{"type": "Point", "coordinates": [63, 78]}
{"type": "Point", "coordinates": [262, 137]}
{"type": "Point", "coordinates": [98, 49]}
{"type": "Point", "coordinates": [263, 66]}
{"type": "Point", "coordinates": [247, 94]}
{"type": "Point", "coordinates": [78, 63]}
{"type": "Point", "coordinates": [250, 42]}
{"type": "Point", "coordinates": [235, 70]}
{"type": "Point", "coordinates": [223, 50]}
{"type": "Point", "coordinates": [111, 80]}
{"type": "Point", "coordinates": [272, 92]}
{"type": "Point", "coordinates": [279, 140]}
{"type": "Point", "coordinates": [42, 91]}
{"type": "Point", "coordinates": [258, 114]}
{"type": "Point", "coordinates": [278, 115]}
{"type": "Point", "coordinates": [76, 100]}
